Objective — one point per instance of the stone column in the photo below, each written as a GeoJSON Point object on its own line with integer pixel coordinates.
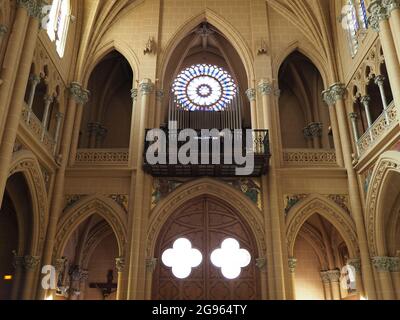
{"type": "Point", "coordinates": [383, 266]}
{"type": "Point", "coordinates": [134, 95]}
{"type": "Point", "coordinates": [78, 96]}
{"type": "Point", "coordinates": [393, 10]}
{"type": "Point", "coordinates": [378, 21]}
{"type": "Point", "coordinates": [151, 265]}
{"type": "Point", "coordinates": [83, 284]}
{"type": "Point", "coordinates": [356, 264]}
{"type": "Point", "coordinates": [14, 53]}
{"type": "Point", "coordinates": [48, 100]}
{"type": "Point", "coordinates": [335, 96]}
{"type": "Point", "coordinates": [77, 274]}
{"type": "Point", "coordinates": [30, 264]}
{"type": "Point", "coordinates": [159, 110]}
{"type": "Point", "coordinates": [3, 32]}
{"type": "Point", "coordinates": [15, 111]}
{"type": "Point", "coordinates": [252, 95]}
{"type": "Point", "coordinates": [292, 271]}
{"type": "Point", "coordinates": [18, 264]}
{"type": "Point", "coordinates": [60, 118]}
{"type": "Point", "coordinates": [354, 118]}
{"type": "Point", "coordinates": [334, 279]}
{"type": "Point", "coordinates": [395, 269]}
{"type": "Point", "coordinates": [35, 80]}
{"type": "Point", "coordinates": [326, 283]}
{"type": "Point", "coordinates": [315, 129]}
{"type": "Point", "coordinates": [137, 208]}
{"type": "Point", "coordinates": [365, 101]}
{"type": "Point", "coordinates": [120, 266]}
{"type": "Point", "coordinates": [379, 81]}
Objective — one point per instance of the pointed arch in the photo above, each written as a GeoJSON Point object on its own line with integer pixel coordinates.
{"type": "Point", "coordinates": [25, 162]}
{"type": "Point", "coordinates": [224, 26]}
{"type": "Point", "coordinates": [317, 204]}
{"type": "Point", "coordinates": [206, 186]}
{"type": "Point", "coordinates": [80, 211]}
{"type": "Point", "coordinates": [387, 164]}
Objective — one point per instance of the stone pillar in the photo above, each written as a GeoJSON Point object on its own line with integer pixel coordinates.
{"type": "Point", "coordinates": [151, 265]}
{"type": "Point", "coordinates": [365, 101]}
{"type": "Point", "coordinates": [18, 264]}
{"type": "Point", "coordinates": [356, 264]}
{"type": "Point", "coordinates": [30, 264]}
{"type": "Point", "coordinates": [378, 21]}
{"type": "Point", "coordinates": [308, 136]}
{"type": "Point", "coordinates": [326, 283]}
{"type": "Point", "coordinates": [120, 266]}
{"type": "Point", "coordinates": [395, 269]}
{"type": "Point", "coordinates": [35, 80]}
{"type": "Point", "coordinates": [393, 10]}
{"type": "Point", "coordinates": [251, 95]}
{"type": "Point", "coordinates": [159, 109]}
{"type": "Point", "coordinates": [134, 95]}
{"type": "Point", "coordinates": [292, 271]}
{"type": "Point", "coordinates": [138, 216]}
{"type": "Point", "coordinates": [383, 266]}
{"type": "Point", "coordinates": [354, 118]}
{"type": "Point", "coordinates": [379, 81]}
{"type": "Point", "coordinates": [77, 275]}
{"type": "Point", "coordinates": [315, 130]}
{"type": "Point", "coordinates": [59, 118]}
{"type": "Point", "coordinates": [334, 279]}
{"type": "Point", "coordinates": [15, 111]}
{"type": "Point", "coordinates": [17, 44]}
{"type": "Point", "coordinates": [46, 116]}
{"type": "Point", "coordinates": [78, 96]}
{"type": "Point", "coordinates": [334, 96]}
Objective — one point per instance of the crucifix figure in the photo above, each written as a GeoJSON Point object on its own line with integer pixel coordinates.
{"type": "Point", "coordinates": [106, 288]}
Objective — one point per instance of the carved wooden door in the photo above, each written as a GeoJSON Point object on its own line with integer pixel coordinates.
{"type": "Point", "coordinates": [206, 222]}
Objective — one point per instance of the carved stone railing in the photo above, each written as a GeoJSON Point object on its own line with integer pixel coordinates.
{"type": "Point", "coordinates": [102, 157]}
{"type": "Point", "coordinates": [309, 157]}
{"type": "Point", "coordinates": [35, 126]}
{"type": "Point", "coordinates": [386, 121]}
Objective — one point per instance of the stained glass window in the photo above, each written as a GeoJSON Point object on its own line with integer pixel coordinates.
{"type": "Point", "coordinates": [204, 87]}
{"type": "Point", "coordinates": [57, 27]}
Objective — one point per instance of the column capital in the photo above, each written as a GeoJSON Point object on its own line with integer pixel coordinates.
{"type": "Point", "coordinates": [3, 30]}
{"type": "Point", "coordinates": [334, 93]}
{"type": "Point", "coordinates": [35, 79]}
{"type": "Point", "coordinates": [18, 261]}
{"type": "Point", "coordinates": [325, 277]}
{"type": "Point", "coordinates": [353, 115]}
{"type": "Point", "coordinates": [59, 116]}
{"type": "Point", "coordinates": [334, 275]}
{"type": "Point", "coordinates": [261, 262]}
{"type": "Point", "coordinates": [355, 263]}
{"type": "Point", "coordinates": [80, 95]}
{"type": "Point", "coordinates": [120, 264]}
{"type": "Point", "coordinates": [315, 129]}
{"type": "Point", "coordinates": [146, 87]}
{"type": "Point", "coordinates": [292, 264]}
{"type": "Point", "coordinates": [159, 95]}
{"type": "Point", "coordinates": [34, 7]}
{"type": "Point", "coordinates": [60, 264]}
{"type": "Point", "coordinates": [151, 264]}
{"type": "Point", "coordinates": [379, 80]}
{"type": "Point", "coordinates": [386, 264]}
{"type": "Point", "coordinates": [251, 94]}
{"type": "Point", "coordinates": [365, 99]}
{"type": "Point", "coordinates": [378, 12]}
{"type": "Point", "coordinates": [391, 5]}
{"type": "Point", "coordinates": [49, 99]}
{"type": "Point", "coordinates": [31, 262]}
{"type": "Point", "coordinates": [307, 133]}
{"type": "Point", "coordinates": [265, 88]}
{"type": "Point", "coordinates": [134, 94]}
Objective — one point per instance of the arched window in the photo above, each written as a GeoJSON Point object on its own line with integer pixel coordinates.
{"type": "Point", "coordinates": [57, 27]}
{"type": "Point", "coordinates": [355, 21]}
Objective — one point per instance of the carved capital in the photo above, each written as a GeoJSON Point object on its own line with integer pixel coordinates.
{"type": "Point", "coordinates": [325, 277]}
{"type": "Point", "coordinates": [48, 99]}
{"type": "Point", "coordinates": [18, 261]}
{"type": "Point", "coordinates": [261, 263]}
{"type": "Point", "coordinates": [146, 87]}
{"type": "Point", "coordinates": [151, 264]}
{"type": "Point", "coordinates": [265, 88]}
{"type": "Point", "coordinates": [353, 115]}
{"type": "Point", "coordinates": [380, 80]}
{"type": "Point", "coordinates": [365, 100]}
{"type": "Point", "coordinates": [315, 129]}
{"type": "Point", "coordinates": [34, 7]}
{"type": "Point", "coordinates": [334, 93]}
{"type": "Point", "coordinates": [251, 94]}
{"type": "Point", "coordinates": [80, 95]}
{"type": "Point", "coordinates": [377, 12]}
{"type": "Point", "coordinates": [3, 30]}
{"type": "Point", "coordinates": [386, 264]}
{"type": "Point", "coordinates": [134, 94]}
{"type": "Point", "coordinates": [31, 262]}
{"type": "Point", "coordinates": [34, 79]}
{"type": "Point", "coordinates": [60, 264]}
{"type": "Point", "coordinates": [120, 264]}
{"type": "Point", "coordinates": [391, 5]}
{"type": "Point", "coordinates": [355, 263]}
{"type": "Point", "coordinates": [59, 116]}
{"type": "Point", "coordinates": [334, 275]}
{"type": "Point", "coordinates": [292, 265]}
{"type": "Point", "coordinates": [159, 95]}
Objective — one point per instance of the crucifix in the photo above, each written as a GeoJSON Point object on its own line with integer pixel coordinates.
{"type": "Point", "coordinates": [106, 288]}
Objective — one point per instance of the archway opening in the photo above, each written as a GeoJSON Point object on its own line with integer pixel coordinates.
{"type": "Point", "coordinates": [106, 119]}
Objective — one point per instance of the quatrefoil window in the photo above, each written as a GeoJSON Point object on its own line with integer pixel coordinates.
{"type": "Point", "coordinates": [230, 258]}
{"type": "Point", "coordinates": [182, 258]}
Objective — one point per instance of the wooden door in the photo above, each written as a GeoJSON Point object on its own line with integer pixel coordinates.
{"type": "Point", "coordinates": [206, 222]}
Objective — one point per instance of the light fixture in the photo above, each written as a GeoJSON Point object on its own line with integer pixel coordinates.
{"type": "Point", "coordinates": [8, 277]}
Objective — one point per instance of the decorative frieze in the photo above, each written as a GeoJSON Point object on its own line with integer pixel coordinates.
{"type": "Point", "coordinates": [311, 157]}
{"type": "Point", "coordinates": [102, 157]}
{"type": "Point", "coordinates": [386, 264]}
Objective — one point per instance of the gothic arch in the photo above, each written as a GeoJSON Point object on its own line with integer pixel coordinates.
{"type": "Point", "coordinates": [301, 212]}
{"type": "Point", "coordinates": [388, 163]}
{"type": "Point", "coordinates": [26, 163]}
{"type": "Point", "coordinates": [226, 28]}
{"type": "Point", "coordinates": [79, 212]}
{"type": "Point", "coordinates": [218, 190]}
{"type": "Point", "coordinates": [123, 48]}
{"type": "Point", "coordinates": [313, 55]}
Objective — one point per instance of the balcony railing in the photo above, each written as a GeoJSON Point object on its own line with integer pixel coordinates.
{"type": "Point", "coordinates": [206, 164]}
{"type": "Point", "coordinates": [385, 122]}
{"type": "Point", "coordinates": [102, 157]}
{"type": "Point", "coordinates": [309, 157]}
{"type": "Point", "coordinates": [35, 126]}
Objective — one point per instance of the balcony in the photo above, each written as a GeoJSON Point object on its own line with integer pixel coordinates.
{"type": "Point", "coordinates": [205, 164]}
{"type": "Point", "coordinates": [378, 131]}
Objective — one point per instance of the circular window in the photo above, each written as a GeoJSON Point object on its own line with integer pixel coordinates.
{"type": "Point", "coordinates": [204, 87]}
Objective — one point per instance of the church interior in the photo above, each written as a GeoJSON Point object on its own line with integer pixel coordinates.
{"type": "Point", "coordinates": [312, 85]}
